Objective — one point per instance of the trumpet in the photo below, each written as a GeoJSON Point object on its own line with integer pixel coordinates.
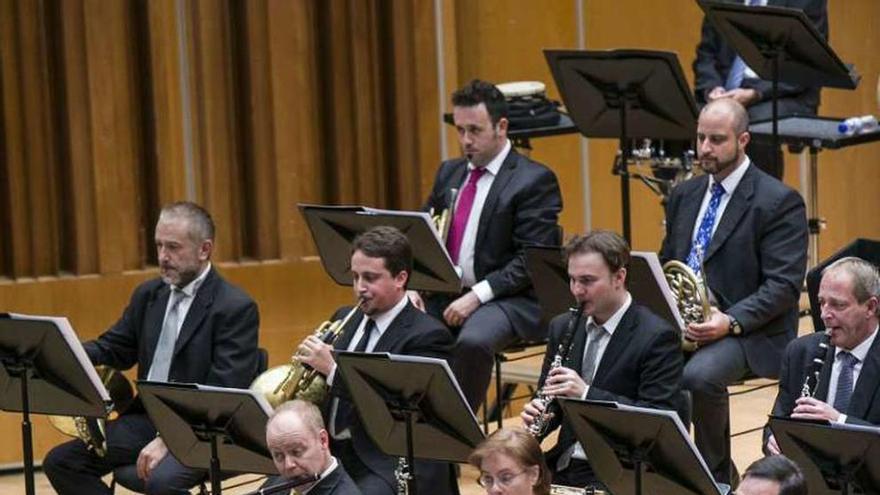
{"type": "Point", "coordinates": [297, 380]}
{"type": "Point", "coordinates": [92, 430]}
{"type": "Point", "coordinates": [539, 425]}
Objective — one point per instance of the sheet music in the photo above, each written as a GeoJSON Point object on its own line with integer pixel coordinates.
{"type": "Point", "coordinates": [416, 214]}
{"type": "Point", "coordinates": [670, 308]}
{"type": "Point", "coordinates": [263, 403]}
{"type": "Point", "coordinates": [672, 415]}
{"type": "Point", "coordinates": [74, 344]}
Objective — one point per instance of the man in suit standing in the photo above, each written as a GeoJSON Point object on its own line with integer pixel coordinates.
{"type": "Point", "coordinates": [504, 203]}
{"type": "Point", "coordinates": [623, 352]}
{"type": "Point", "coordinates": [385, 321]}
{"type": "Point", "coordinates": [720, 73]}
{"type": "Point", "coordinates": [745, 234]}
{"type": "Point", "coordinates": [189, 325]}
{"type": "Point", "coordinates": [846, 390]}
{"type": "Point", "coordinates": [300, 446]}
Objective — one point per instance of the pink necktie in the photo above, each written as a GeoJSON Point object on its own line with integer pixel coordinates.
{"type": "Point", "coordinates": [462, 212]}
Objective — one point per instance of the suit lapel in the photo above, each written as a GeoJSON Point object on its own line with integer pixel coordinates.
{"type": "Point", "coordinates": [690, 208]}
{"type": "Point", "coordinates": [733, 212]}
{"type": "Point", "coordinates": [505, 173]}
{"type": "Point", "coordinates": [197, 311]}
{"type": "Point", "coordinates": [618, 343]}
{"type": "Point", "coordinates": [348, 333]}
{"type": "Point", "coordinates": [395, 334]}
{"type": "Point", "coordinates": [866, 386]}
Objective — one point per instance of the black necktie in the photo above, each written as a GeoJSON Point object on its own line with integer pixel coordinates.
{"type": "Point", "coordinates": [345, 409]}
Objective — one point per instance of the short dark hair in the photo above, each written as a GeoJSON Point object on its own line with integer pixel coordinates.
{"type": "Point", "coordinates": [611, 246]}
{"type": "Point", "coordinates": [201, 225]}
{"type": "Point", "coordinates": [476, 92]}
{"type": "Point", "coordinates": [389, 244]}
{"type": "Point", "coordinates": [782, 470]}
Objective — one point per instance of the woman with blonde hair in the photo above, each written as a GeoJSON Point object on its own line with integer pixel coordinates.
{"type": "Point", "coordinates": [511, 463]}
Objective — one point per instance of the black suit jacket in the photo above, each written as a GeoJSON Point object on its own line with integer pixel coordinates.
{"type": "Point", "coordinates": [864, 407]}
{"type": "Point", "coordinates": [411, 333]}
{"type": "Point", "coordinates": [755, 262]}
{"type": "Point", "coordinates": [641, 366]}
{"type": "Point", "coordinates": [715, 59]}
{"type": "Point", "coordinates": [217, 344]}
{"type": "Point", "coordinates": [337, 482]}
{"type": "Point", "coordinates": [521, 209]}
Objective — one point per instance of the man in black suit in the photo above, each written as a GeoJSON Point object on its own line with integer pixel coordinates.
{"type": "Point", "coordinates": [384, 321]}
{"type": "Point", "coordinates": [720, 73]}
{"type": "Point", "coordinates": [300, 446]}
{"type": "Point", "coordinates": [622, 352]}
{"type": "Point", "coordinates": [849, 377]}
{"type": "Point", "coordinates": [745, 234]}
{"type": "Point", "coordinates": [504, 203]}
{"type": "Point", "coordinates": [189, 325]}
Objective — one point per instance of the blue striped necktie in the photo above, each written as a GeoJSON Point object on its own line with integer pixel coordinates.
{"type": "Point", "coordinates": [704, 234]}
{"type": "Point", "coordinates": [845, 381]}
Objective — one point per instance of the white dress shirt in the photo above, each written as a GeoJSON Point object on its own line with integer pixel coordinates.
{"type": "Point", "coordinates": [481, 288]}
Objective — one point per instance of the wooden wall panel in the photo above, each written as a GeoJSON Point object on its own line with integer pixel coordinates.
{"type": "Point", "coordinates": [296, 120]}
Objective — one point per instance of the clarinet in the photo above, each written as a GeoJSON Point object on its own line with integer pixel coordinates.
{"type": "Point", "coordinates": [539, 425]}
{"type": "Point", "coordinates": [811, 380]}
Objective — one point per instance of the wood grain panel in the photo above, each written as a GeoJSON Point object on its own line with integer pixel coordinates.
{"type": "Point", "coordinates": [216, 135]}
{"type": "Point", "coordinates": [296, 119]}
{"type": "Point", "coordinates": [116, 143]}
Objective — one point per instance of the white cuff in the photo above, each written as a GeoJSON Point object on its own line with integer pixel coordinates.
{"type": "Point", "coordinates": [483, 291]}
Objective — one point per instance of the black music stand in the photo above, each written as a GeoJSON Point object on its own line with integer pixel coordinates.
{"type": "Point", "coordinates": [410, 406]}
{"type": "Point", "coordinates": [639, 450]}
{"type": "Point", "coordinates": [781, 45]}
{"type": "Point", "coordinates": [816, 133]}
{"type": "Point", "coordinates": [334, 228]}
{"type": "Point", "coordinates": [45, 370]}
{"type": "Point", "coordinates": [549, 275]}
{"type": "Point", "coordinates": [625, 94]}
{"type": "Point", "coordinates": [204, 425]}
{"type": "Point", "coordinates": [834, 457]}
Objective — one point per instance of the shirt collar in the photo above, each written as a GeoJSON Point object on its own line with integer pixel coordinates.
{"type": "Point", "coordinates": [611, 324]}
{"type": "Point", "coordinates": [860, 351]}
{"type": "Point", "coordinates": [330, 468]}
{"type": "Point", "coordinates": [383, 321]}
{"type": "Point", "coordinates": [193, 287]}
{"type": "Point", "coordinates": [495, 165]}
{"type": "Point", "coordinates": [731, 181]}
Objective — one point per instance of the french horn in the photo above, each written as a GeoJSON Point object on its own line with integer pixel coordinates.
{"type": "Point", "coordinates": [691, 296]}
{"type": "Point", "coordinates": [92, 431]}
{"type": "Point", "coordinates": [296, 380]}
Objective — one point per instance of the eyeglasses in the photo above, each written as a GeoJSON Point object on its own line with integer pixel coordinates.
{"type": "Point", "coordinates": [502, 481]}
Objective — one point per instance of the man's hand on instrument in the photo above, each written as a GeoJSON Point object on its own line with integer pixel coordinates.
{"type": "Point", "coordinates": [564, 382]}
{"type": "Point", "coordinates": [150, 457]}
{"type": "Point", "coordinates": [531, 411]}
{"type": "Point", "coordinates": [810, 408]}
{"type": "Point", "coordinates": [772, 446]}
{"type": "Point", "coordinates": [716, 327]}
{"type": "Point", "coordinates": [316, 354]}
{"type": "Point", "coordinates": [461, 309]}
{"type": "Point", "coordinates": [416, 299]}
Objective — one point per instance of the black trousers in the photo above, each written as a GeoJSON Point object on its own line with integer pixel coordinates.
{"type": "Point", "coordinates": [73, 469]}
